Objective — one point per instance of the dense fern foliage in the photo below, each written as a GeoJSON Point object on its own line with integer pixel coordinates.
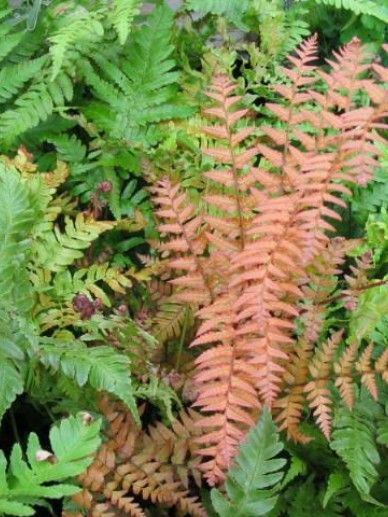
{"type": "Point", "coordinates": [193, 258]}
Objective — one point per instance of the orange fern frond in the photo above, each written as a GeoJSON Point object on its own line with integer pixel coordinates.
{"type": "Point", "coordinates": [186, 244]}
{"type": "Point", "coordinates": [234, 176]}
{"type": "Point", "coordinates": [318, 392]}
{"type": "Point", "coordinates": [153, 465]}
{"type": "Point", "coordinates": [226, 388]}
{"type": "Point", "coordinates": [343, 369]}
{"type": "Point", "coordinates": [291, 405]}
{"type": "Point", "coordinates": [365, 369]}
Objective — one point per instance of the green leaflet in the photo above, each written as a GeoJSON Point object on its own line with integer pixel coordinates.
{"type": "Point", "coordinates": [369, 7]}
{"type": "Point", "coordinates": [11, 384]}
{"type": "Point", "coordinates": [337, 481]}
{"type": "Point", "coordinates": [72, 441]}
{"type": "Point", "coordinates": [17, 215]}
{"type": "Point", "coordinates": [371, 311]}
{"type": "Point", "coordinates": [13, 77]}
{"type": "Point", "coordinates": [17, 338]}
{"type": "Point", "coordinates": [354, 441]}
{"type": "Point", "coordinates": [122, 15]}
{"type": "Point", "coordinates": [77, 28]}
{"type": "Point", "coordinates": [250, 485]}
{"type": "Point", "coordinates": [233, 10]}
{"type": "Point", "coordinates": [35, 105]}
{"type": "Point", "coordinates": [102, 367]}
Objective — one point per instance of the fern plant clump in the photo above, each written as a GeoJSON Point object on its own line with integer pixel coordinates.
{"type": "Point", "coordinates": [193, 259]}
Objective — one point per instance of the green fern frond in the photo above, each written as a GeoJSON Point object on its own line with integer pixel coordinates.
{"type": "Point", "coordinates": [251, 483]}
{"type": "Point", "coordinates": [27, 481]}
{"type": "Point", "coordinates": [87, 280]}
{"type": "Point", "coordinates": [17, 216]}
{"type": "Point", "coordinates": [354, 442]}
{"type": "Point", "coordinates": [122, 14]}
{"type": "Point", "coordinates": [17, 340]}
{"type": "Point", "coordinates": [77, 28]}
{"type": "Point", "coordinates": [35, 105]}
{"type": "Point", "coordinates": [162, 396]}
{"type": "Point", "coordinates": [139, 89]}
{"type": "Point", "coordinates": [232, 10]}
{"type": "Point", "coordinates": [13, 77]}
{"type": "Point", "coordinates": [372, 309]}
{"type": "Point", "coordinates": [8, 40]}
{"type": "Point", "coordinates": [55, 249]}
{"type": "Point", "coordinates": [337, 481]}
{"type": "Point", "coordinates": [101, 367]}
{"type": "Point", "coordinates": [68, 147]}
{"type": "Point", "coordinates": [368, 7]}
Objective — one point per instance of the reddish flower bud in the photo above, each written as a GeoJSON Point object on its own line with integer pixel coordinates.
{"type": "Point", "coordinates": [105, 186]}
{"type": "Point", "coordinates": [123, 309]}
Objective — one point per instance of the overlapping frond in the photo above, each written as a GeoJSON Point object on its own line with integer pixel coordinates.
{"type": "Point", "coordinates": [264, 247]}
{"type": "Point", "coordinates": [186, 245]}
{"type": "Point", "coordinates": [154, 466]}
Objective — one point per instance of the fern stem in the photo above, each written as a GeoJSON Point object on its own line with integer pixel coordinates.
{"type": "Point", "coordinates": [14, 426]}
{"type": "Point", "coordinates": [362, 288]}
{"type": "Point", "coordinates": [182, 338]}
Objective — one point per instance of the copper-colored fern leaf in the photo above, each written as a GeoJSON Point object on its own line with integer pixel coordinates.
{"type": "Point", "coordinates": [343, 369]}
{"type": "Point", "coordinates": [225, 380]}
{"type": "Point", "coordinates": [232, 179]}
{"type": "Point", "coordinates": [268, 273]}
{"type": "Point", "coordinates": [322, 282]}
{"type": "Point", "coordinates": [318, 392]}
{"type": "Point", "coordinates": [186, 244]}
{"type": "Point", "coordinates": [154, 466]}
{"type": "Point", "coordinates": [282, 154]}
{"type": "Point", "coordinates": [247, 260]}
{"type": "Point", "coordinates": [365, 368]}
{"type": "Point", "coordinates": [349, 155]}
{"type": "Point", "coordinates": [226, 388]}
{"type": "Point", "coordinates": [381, 365]}
{"type": "Point", "coordinates": [291, 405]}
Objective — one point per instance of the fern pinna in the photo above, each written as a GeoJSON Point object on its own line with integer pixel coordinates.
{"type": "Point", "coordinates": [248, 258]}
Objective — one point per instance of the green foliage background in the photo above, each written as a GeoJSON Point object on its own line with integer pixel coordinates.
{"type": "Point", "coordinates": [114, 89]}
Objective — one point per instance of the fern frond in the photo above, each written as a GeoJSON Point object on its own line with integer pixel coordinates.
{"type": "Point", "coordinates": [122, 15]}
{"type": "Point", "coordinates": [317, 390]}
{"type": "Point", "coordinates": [14, 77]}
{"type": "Point", "coordinates": [168, 321]}
{"type": "Point", "coordinates": [76, 28]}
{"type": "Point", "coordinates": [291, 404]}
{"type": "Point", "coordinates": [56, 250]}
{"type": "Point", "coordinates": [102, 367]}
{"type": "Point", "coordinates": [186, 242]}
{"type": "Point", "coordinates": [344, 374]}
{"type": "Point", "coordinates": [251, 482]}
{"type": "Point", "coordinates": [233, 10]}
{"type": "Point", "coordinates": [18, 216]}
{"type": "Point", "coordinates": [364, 368]}
{"type": "Point", "coordinates": [35, 105]}
{"type": "Point", "coordinates": [72, 441]}
{"type": "Point", "coordinates": [353, 440]}
{"type": "Point", "coordinates": [358, 7]}
{"type": "Point", "coordinates": [141, 89]}
{"type": "Point", "coordinates": [372, 308]}
{"type": "Point", "coordinates": [154, 465]}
